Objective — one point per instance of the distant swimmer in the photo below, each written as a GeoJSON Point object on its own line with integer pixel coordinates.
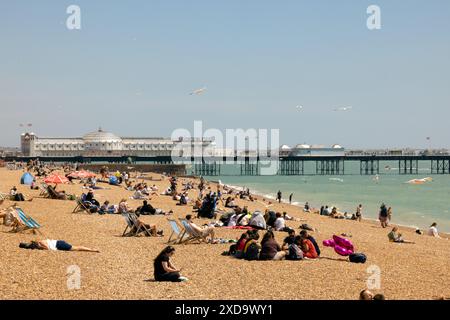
{"type": "Point", "coordinates": [387, 168]}
{"type": "Point", "coordinates": [343, 109]}
{"type": "Point", "coordinates": [376, 178]}
{"type": "Point", "coordinates": [198, 91]}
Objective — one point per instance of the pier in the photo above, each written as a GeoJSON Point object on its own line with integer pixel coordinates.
{"type": "Point", "coordinates": [286, 166]}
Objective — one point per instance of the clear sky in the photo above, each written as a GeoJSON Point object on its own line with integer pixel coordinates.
{"type": "Point", "coordinates": [131, 67]}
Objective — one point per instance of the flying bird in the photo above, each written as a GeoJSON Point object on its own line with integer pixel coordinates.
{"type": "Point", "coordinates": [198, 91]}
{"type": "Point", "coordinates": [299, 108]}
{"type": "Point", "coordinates": [343, 109]}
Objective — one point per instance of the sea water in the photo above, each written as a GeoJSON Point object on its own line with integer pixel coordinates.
{"type": "Point", "coordinates": [412, 205]}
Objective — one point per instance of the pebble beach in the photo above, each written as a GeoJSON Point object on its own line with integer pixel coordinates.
{"type": "Point", "coordinates": [124, 267]}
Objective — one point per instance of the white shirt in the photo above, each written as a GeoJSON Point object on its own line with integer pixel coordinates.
{"type": "Point", "coordinates": [279, 224]}
{"type": "Point", "coordinates": [433, 232]}
{"type": "Point", "coordinates": [51, 244]}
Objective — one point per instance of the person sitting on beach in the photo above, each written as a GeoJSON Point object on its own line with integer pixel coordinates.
{"type": "Point", "coordinates": [306, 207]}
{"type": "Point", "coordinates": [183, 199]}
{"type": "Point", "coordinates": [305, 235]}
{"type": "Point", "coordinates": [229, 203]}
{"type": "Point", "coordinates": [294, 249]}
{"type": "Point", "coordinates": [240, 245]}
{"type": "Point", "coordinates": [147, 208]}
{"type": "Point", "coordinates": [251, 249]}
{"type": "Point", "coordinates": [289, 239]}
{"type": "Point", "coordinates": [433, 231]}
{"type": "Point", "coordinates": [91, 198]}
{"type": "Point", "coordinates": [123, 207]}
{"type": "Point", "coordinates": [17, 196]}
{"type": "Point", "coordinates": [8, 215]}
{"type": "Point", "coordinates": [54, 245]}
{"type": "Point", "coordinates": [257, 221]}
{"type": "Point", "coordinates": [270, 249]}
{"type": "Point", "coordinates": [204, 232]}
{"type": "Point", "coordinates": [34, 185]}
{"type": "Point", "coordinates": [164, 269]}
{"type": "Point", "coordinates": [309, 251]}
{"type": "Point", "coordinates": [280, 223]}
{"type": "Point", "coordinates": [395, 236]}
{"type": "Point", "coordinates": [232, 221]}
{"type": "Point", "coordinates": [106, 208]}
{"type": "Point", "coordinates": [270, 217]}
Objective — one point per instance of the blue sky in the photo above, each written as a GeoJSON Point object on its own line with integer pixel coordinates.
{"type": "Point", "coordinates": [132, 65]}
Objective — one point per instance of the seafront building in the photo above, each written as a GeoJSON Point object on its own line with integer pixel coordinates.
{"type": "Point", "coordinates": [106, 144]}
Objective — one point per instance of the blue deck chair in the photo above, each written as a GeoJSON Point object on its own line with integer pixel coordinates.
{"type": "Point", "coordinates": [177, 231]}
{"type": "Point", "coordinates": [193, 236]}
{"type": "Point", "coordinates": [27, 222]}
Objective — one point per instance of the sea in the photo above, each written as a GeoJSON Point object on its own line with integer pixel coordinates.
{"type": "Point", "coordinates": [413, 205]}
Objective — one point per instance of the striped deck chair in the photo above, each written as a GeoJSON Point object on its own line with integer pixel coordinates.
{"type": "Point", "coordinates": [43, 189]}
{"type": "Point", "coordinates": [25, 222]}
{"type": "Point", "coordinates": [4, 196]}
{"type": "Point", "coordinates": [193, 236]}
{"type": "Point", "coordinates": [135, 227]}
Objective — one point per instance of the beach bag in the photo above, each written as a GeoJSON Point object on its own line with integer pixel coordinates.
{"type": "Point", "coordinates": [357, 258]}
{"type": "Point", "coordinates": [232, 250]}
{"type": "Point", "coordinates": [252, 252]}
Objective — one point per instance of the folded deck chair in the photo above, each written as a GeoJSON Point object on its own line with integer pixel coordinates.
{"type": "Point", "coordinates": [193, 236]}
{"type": "Point", "coordinates": [25, 222]}
{"type": "Point", "coordinates": [177, 231]}
{"type": "Point", "coordinates": [83, 205]}
{"type": "Point", "coordinates": [135, 227]}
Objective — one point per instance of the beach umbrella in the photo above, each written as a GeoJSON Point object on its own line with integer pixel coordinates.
{"type": "Point", "coordinates": [56, 179]}
{"type": "Point", "coordinates": [82, 174]}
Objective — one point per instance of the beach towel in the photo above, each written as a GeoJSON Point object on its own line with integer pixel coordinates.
{"type": "Point", "coordinates": [241, 227]}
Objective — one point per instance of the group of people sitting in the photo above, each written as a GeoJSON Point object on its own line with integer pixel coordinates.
{"type": "Point", "coordinates": [294, 247]}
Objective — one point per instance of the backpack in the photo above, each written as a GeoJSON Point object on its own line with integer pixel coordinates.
{"type": "Point", "coordinates": [252, 252]}
{"type": "Point", "coordinates": [357, 258]}
{"type": "Point", "coordinates": [295, 253]}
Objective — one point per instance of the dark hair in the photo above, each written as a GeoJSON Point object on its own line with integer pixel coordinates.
{"type": "Point", "coordinates": [434, 224]}
{"type": "Point", "coordinates": [298, 240]}
{"type": "Point", "coordinates": [267, 236]}
{"type": "Point", "coordinates": [379, 296]}
{"type": "Point", "coordinates": [291, 231]}
{"type": "Point", "coordinates": [165, 252]}
{"type": "Point", "coordinates": [303, 233]}
{"type": "Point", "coordinates": [145, 202]}
{"type": "Point", "coordinates": [32, 245]}
{"type": "Point", "coordinates": [188, 217]}
{"type": "Point", "coordinates": [278, 215]}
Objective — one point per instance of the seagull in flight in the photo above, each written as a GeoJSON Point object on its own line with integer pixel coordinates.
{"type": "Point", "coordinates": [299, 108]}
{"type": "Point", "coordinates": [198, 91]}
{"type": "Point", "coordinates": [343, 109]}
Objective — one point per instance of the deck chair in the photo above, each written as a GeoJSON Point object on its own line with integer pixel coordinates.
{"type": "Point", "coordinates": [43, 189]}
{"type": "Point", "coordinates": [192, 235]}
{"type": "Point", "coordinates": [5, 196]}
{"type": "Point", "coordinates": [135, 227]}
{"type": "Point", "coordinates": [25, 222]}
{"type": "Point", "coordinates": [55, 195]}
{"type": "Point", "coordinates": [83, 205]}
{"type": "Point", "coordinates": [177, 231]}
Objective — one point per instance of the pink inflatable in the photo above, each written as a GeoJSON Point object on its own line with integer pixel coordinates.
{"type": "Point", "coordinates": [342, 246]}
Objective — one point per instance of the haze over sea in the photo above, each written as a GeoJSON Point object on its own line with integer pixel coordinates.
{"type": "Point", "coordinates": [413, 205]}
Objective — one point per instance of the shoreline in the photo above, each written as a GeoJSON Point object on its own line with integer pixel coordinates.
{"type": "Point", "coordinates": [299, 205]}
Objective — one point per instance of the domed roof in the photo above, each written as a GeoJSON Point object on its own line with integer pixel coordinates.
{"type": "Point", "coordinates": [285, 147]}
{"type": "Point", "coordinates": [303, 146]}
{"type": "Point", "coordinates": [336, 146]}
{"type": "Point", "coordinates": [101, 136]}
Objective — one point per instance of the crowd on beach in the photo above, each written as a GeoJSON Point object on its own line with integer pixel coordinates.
{"type": "Point", "coordinates": [219, 206]}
